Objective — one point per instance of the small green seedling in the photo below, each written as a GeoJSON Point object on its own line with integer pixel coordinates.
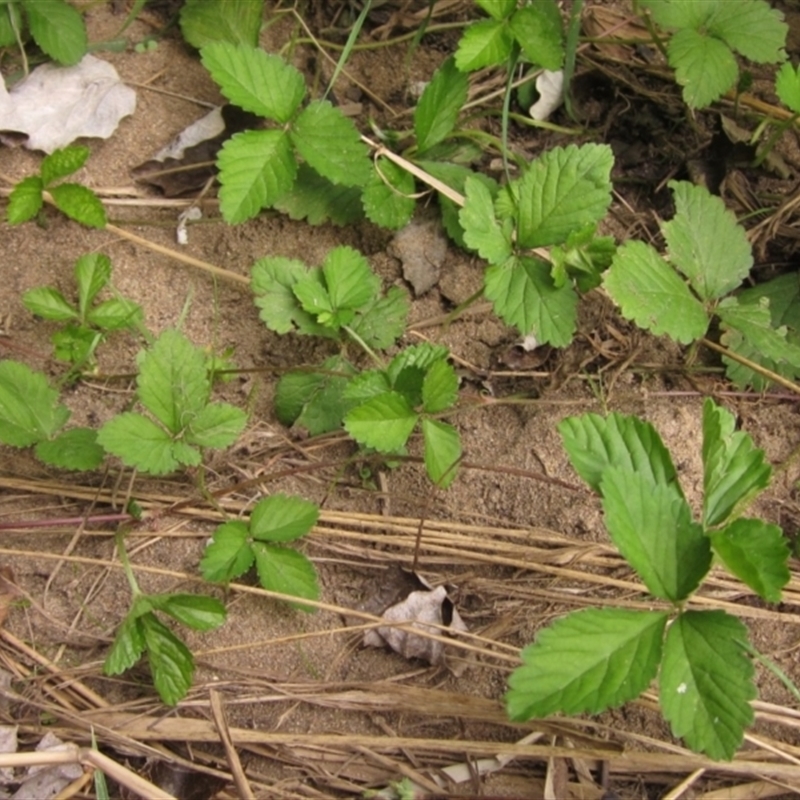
{"type": "Point", "coordinates": [596, 659]}
{"type": "Point", "coordinates": [30, 414]}
{"type": "Point", "coordinates": [274, 521]}
{"type": "Point", "coordinates": [87, 324]}
{"type": "Point", "coordinates": [708, 257]}
{"type": "Point", "coordinates": [76, 201]}
{"type": "Point", "coordinates": [54, 25]}
{"type": "Point", "coordinates": [142, 632]}
{"type": "Point", "coordinates": [708, 34]}
{"type": "Point", "coordinates": [174, 386]}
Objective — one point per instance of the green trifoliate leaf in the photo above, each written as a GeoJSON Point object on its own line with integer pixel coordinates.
{"type": "Point", "coordinates": [704, 66]}
{"type": "Point", "coordinates": [172, 383]}
{"type": "Point", "coordinates": [381, 323]}
{"type": "Point", "coordinates": [539, 31]}
{"type": "Point", "coordinates": [197, 611]}
{"type": "Point", "coordinates": [439, 387]}
{"type": "Point", "coordinates": [229, 554]}
{"type": "Point", "coordinates": [25, 200]}
{"type": "Point", "coordinates": [171, 662]}
{"type": "Point", "coordinates": [524, 295]}
{"type": "Point", "coordinates": [734, 469]}
{"type": "Point", "coordinates": [139, 443]}
{"type": "Point", "coordinates": [127, 648]}
{"type": "Point", "coordinates": [255, 80]}
{"type": "Point", "coordinates": [350, 281]}
{"type": "Point", "coordinates": [216, 425]}
{"type": "Point", "coordinates": [115, 314]}
{"type": "Point", "coordinates": [757, 553]}
{"type": "Point", "coordinates": [706, 682]}
{"type": "Point", "coordinates": [73, 449]}
{"type": "Point", "coordinates": [587, 662]}
{"type": "Point", "coordinates": [595, 444]}
{"type": "Point", "coordinates": [482, 230]}
{"type": "Point", "coordinates": [787, 86]}
{"type": "Point", "coordinates": [92, 273]}
{"type": "Point", "coordinates": [752, 28]}
{"type": "Point", "coordinates": [497, 9]}
{"type": "Point", "coordinates": [484, 44]}
{"type": "Point", "coordinates": [61, 163]}
{"type": "Point", "coordinates": [315, 401]}
{"type": "Point", "coordinates": [384, 422]}
{"type": "Point", "coordinates": [75, 343]}
{"type": "Point", "coordinates": [317, 200]}
{"type": "Point", "coordinates": [331, 144]}
{"type": "Point", "coordinates": [255, 169]}
{"type": "Point", "coordinates": [58, 29]}
{"type": "Point", "coordinates": [564, 190]}
{"type": "Point", "coordinates": [282, 518]}
{"type": "Point", "coordinates": [48, 303]}
{"type": "Point", "coordinates": [387, 195]}
{"type": "Point", "coordinates": [705, 242]}
{"type": "Point", "coordinates": [442, 451]}
{"type": "Point", "coordinates": [652, 526]}
{"type": "Point", "coordinates": [584, 257]}
{"type": "Point", "coordinates": [283, 570]}
{"type": "Point", "coordinates": [234, 21]}
{"type": "Point", "coordinates": [80, 204]}
{"type": "Point", "coordinates": [439, 106]}
{"type": "Point", "coordinates": [29, 408]}
{"type": "Point", "coordinates": [651, 293]}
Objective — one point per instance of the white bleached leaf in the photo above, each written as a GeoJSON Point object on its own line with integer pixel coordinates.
{"type": "Point", "coordinates": [550, 86]}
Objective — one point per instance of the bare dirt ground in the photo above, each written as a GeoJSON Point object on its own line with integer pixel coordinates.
{"type": "Point", "coordinates": [310, 711]}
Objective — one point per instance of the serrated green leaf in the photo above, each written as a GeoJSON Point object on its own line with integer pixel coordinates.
{"type": "Point", "coordinates": [282, 518]}
{"type": "Point", "coordinates": [497, 9]}
{"type": "Point", "coordinates": [439, 387]}
{"type": "Point", "coordinates": [706, 682]}
{"type": "Point", "coordinates": [25, 200]}
{"type": "Point", "coordinates": [387, 195]}
{"type": "Point", "coordinates": [482, 231]}
{"type": "Point", "coordinates": [171, 662]}
{"type": "Point", "coordinates": [185, 454]}
{"type": "Point", "coordinates": [350, 280]}
{"type": "Point", "coordinates": [484, 44]}
{"type": "Point", "coordinates": [317, 200]}
{"type": "Point", "coordinates": [48, 303]}
{"type": "Point", "coordinates": [442, 451]}
{"type": "Point", "coordinates": [752, 28]}
{"type": "Point", "coordinates": [525, 295]}
{"type": "Point", "coordinates": [92, 273]}
{"type": "Point", "coordinates": [595, 444]}
{"type": "Point", "coordinates": [705, 242]}
{"type": "Point", "coordinates": [76, 448]}
{"type": "Point", "coordinates": [408, 382]}
{"type": "Point", "coordinates": [331, 144]}
{"type": "Point", "coordinates": [704, 66]}
{"type": "Point", "coordinates": [312, 293]}
{"type": "Point", "coordinates": [173, 384]}
{"type": "Point", "coordinates": [734, 469]}
{"type": "Point", "coordinates": [757, 553]}
{"type": "Point", "coordinates": [652, 526]}
{"type": "Point", "coordinates": [587, 662]}
{"type": "Point", "coordinates": [649, 292]}
{"type": "Point", "coordinates": [439, 105]}
{"type": "Point", "coordinates": [197, 611]}
{"type": "Point", "coordinates": [127, 648]}
{"type": "Point", "coordinates": [58, 29]}
{"type": "Point", "coordinates": [283, 570]}
{"type": "Point", "coordinates": [79, 203]}
{"type": "Point", "coordinates": [540, 33]}
{"type": "Point", "coordinates": [367, 384]}
{"type": "Point", "coordinates": [235, 21]}
{"type": "Point", "coordinates": [115, 314]}
{"type": "Point", "coordinates": [682, 13]}
{"type": "Point", "coordinates": [75, 343]}
{"type": "Point", "coordinates": [564, 190]}
{"type": "Point", "coordinates": [61, 163]}
{"type": "Point", "coordinates": [216, 425]}
{"type": "Point", "coordinates": [138, 442]}
{"type": "Point", "coordinates": [380, 323]}
{"type": "Point", "coordinates": [315, 401]}
{"type": "Point", "coordinates": [384, 422]}
{"type": "Point", "coordinates": [787, 86]}
{"type": "Point", "coordinates": [228, 555]}
{"type": "Point", "coordinates": [254, 80]}
{"type": "Point", "coordinates": [255, 169]}
{"type": "Point", "coordinates": [29, 408]}
{"type": "Point", "coordinates": [422, 355]}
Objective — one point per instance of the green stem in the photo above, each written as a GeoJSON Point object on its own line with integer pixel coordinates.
{"type": "Point", "coordinates": [772, 667]}
{"type": "Point", "coordinates": [780, 129]}
{"type": "Point", "coordinates": [367, 349]}
{"type": "Point", "coordinates": [454, 314]}
{"type": "Point", "coordinates": [119, 538]}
